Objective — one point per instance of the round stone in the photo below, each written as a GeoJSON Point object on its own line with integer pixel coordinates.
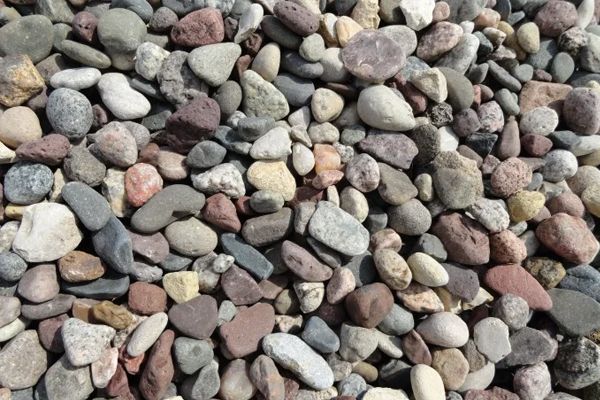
{"type": "Point", "coordinates": [69, 112]}
{"type": "Point", "coordinates": [444, 329]}
{"type": "Point", "coordinates": [27, 183]}
{"type": "Point", "coordinates": [19, 125]}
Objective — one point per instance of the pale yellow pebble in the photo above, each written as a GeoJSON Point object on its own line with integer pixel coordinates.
{"type": "Point", "coordinates": [366, 13]}
{"type": "Point", "coordinates": [524, 205]}
{"type": "Point", "coordinates": [528, 36]}
{"type": "Point", "coordinates": [274, 176]}
{"type": "Point", "coordinates": [345, 28]}
{"type": "Point", "coordinates": [181, 286]}
{"type": "Point", "coordinates": [591, 199]}
{"type": "Point", "coordinates": [14, 211]}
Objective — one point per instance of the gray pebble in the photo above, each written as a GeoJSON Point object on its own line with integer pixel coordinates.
{"type": "Point", "coordinates": [91, 208]}
{"type": "Point", "coordinates": [69, 112]}
{"type": "Point", "coordinates": [191, 354]}
{"type": "Point", "coordinates": [297, 91]}
{"type": "Point", "coordinates": [319, 335]}
{"type": "Point", "coordinates": [27, 183]}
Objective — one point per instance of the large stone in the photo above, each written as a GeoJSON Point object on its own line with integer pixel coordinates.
{"type": "Point", "coordinates": [381, 108]}
{"type": "Point", "coordinates": [261, 98]}
{"type": "Point", "coordinates": [293, 354]}
{"type": "Point", "coordinates": [337, 229]}
{"type": "Point", "coordinates": [47, 232]}
{"type": "Point", "coordinates": [24, 361]}
{"type": "Point", "coordinates": [84, 343]}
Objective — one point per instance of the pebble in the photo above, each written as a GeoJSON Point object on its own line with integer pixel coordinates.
{"type": "Point", "coordinates": [113, 245]}
{"type": "Point", "coordinates": [242, 335]}
{"type": "Point", "coordinates": [69, 112]}
{"type": "Point", "coordinates": [39, 284]}
{"type": "Point", "coordinates": [292, 353]}
{"type": "Point", "coordinates": [84, 343]}
{"type": "Point", "coordinates": [427, 271]}
{"type": "Point", "coordinates": [65, 380]}
{"type": "Point", "coordinates": [124, 102]}
{"type": "Point", "coordinates": [337, 229]}
{"type": "Point", "coordinates": [92, 209]}
{"type": "Point", "coordinates": [191, 354]}
{"type": "Point", "coordinates": [213, 63]}
{"type": "Point", "coordinates": [573, 311]}
{"type": "Point", "coordinates": [18, 126]}
{"type": "Point", "coordinates": [491, 335]}
{"type": "Point", "coordinates": [369, 304]}
{"type": "Point", "coordinates": [444, 329]}
{"type": "Point", "coordinates": [516, 280]}
{"type": "Point", "coordinates": [203, 308]}
{"type": "Point", "coordinates": [551, 233]}
{"type": "Point", "coordinates": [362, 56]}
{"type": "Point", "coordinates": [28, 358]}
{"type": "Point", "coordinates": [261, 98]}
{"type": "Point", "coordinates": [381, 108]}
{"type": "Point", "coordinates": [576, 364]}
{"type": "Point", "coordinates": [225, 178]}
{"type": "Point", "coordinates": [426, 383]}
{"type": "Point", "coordinates": [27, 183]}
{"type": "Point", "coordinates": [76, 78]}
{"type": "Point", "coordinates": [146, 334]}
{"type": "Point", "coordinates": [38, 238]}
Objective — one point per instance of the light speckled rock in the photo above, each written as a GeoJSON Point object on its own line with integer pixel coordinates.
{"type": "Point", "coordinates": [84, 343]}
{"type": "Point", "coordinates": [339, 230]}
{"type": "Point", "coordinates": [295, 355]}
{"type": "Point", "coordinates": [120, 98]}
{"type": "Point", "coordinates": [37, 239]}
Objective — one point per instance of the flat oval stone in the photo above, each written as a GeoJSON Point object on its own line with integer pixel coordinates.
{"type": "Point", "coordinates": [196, 318]}
{"type": "Point", "coordinates": [27, 183]}
{"type": "Point", "coordinates": [58, 305]}
{"type": "Point", "coordinates": [268, 229]}
{"type": "Point", "coordinates": [39, 284]}
{"type": "Point", "coordinates": [91, 208]}
{"type": "Point", "coordinates": [107, 287]}
{"type": "Point", "coordinates": [372, 56]}
{"type": "Point", "coordinates": [296, 18]}
{"type": "Point", "coordinates": [16, 37]}
{"type": "Point", "coordinates": [396, 150]}
{"type": "Point", "coordinates": [146, 334]}
{"type": "Point", "coordinates": [575, 313]}
{"type": "Point", "coordinates": [444, 329]}
{"type": "Point", "coordinates": [69, 112]}
{"type": "Point", "coordinates": [293, 354]}
{"type": "Point", "coordinates": [302, 263]}
{"type": "Point", "coordinates": [246, 256]}
{"type": "Point", "coordinates": [337, 229]}
{"type": "Point", "coordinates": [166, 206]}
{"type": "Point", "coordinates": [516, 280]}
{"type": "Point", "coordinates": [240, 287]}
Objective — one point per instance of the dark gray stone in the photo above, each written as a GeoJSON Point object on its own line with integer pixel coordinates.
{"type": "Point", "coordinates": [320, 336]}
{"type": "Point", "coordinates": [575, 313]}
{"type": "Point", "coordinates": [81, 165]}
{"type": "Point", "coordinates": [59, 305]}
{"type": "Point", "coordinates": [297, 91]}
{"type": "Point", "coordinates": [246, 256]}
{"type": "Point", "coordinates": [205, 155]}
{"type": "Point", "coordinates": [107, 287]}
{"type": "Point", "coordinates": [91, 208]}
{"type": "Point", "coordinates": [166, 206]}
{"type": "Point", "coordinates": [113, 245]}
{"type": "Point", "coordinates": [363, 269]}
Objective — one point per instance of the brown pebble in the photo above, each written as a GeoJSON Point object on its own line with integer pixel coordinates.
{"type": "Point", "coordinates": [241, 336]}
{"type": "Point", "coordinates": [370, 304]}
{"type": "Point", "coordinates": [78, 266]}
